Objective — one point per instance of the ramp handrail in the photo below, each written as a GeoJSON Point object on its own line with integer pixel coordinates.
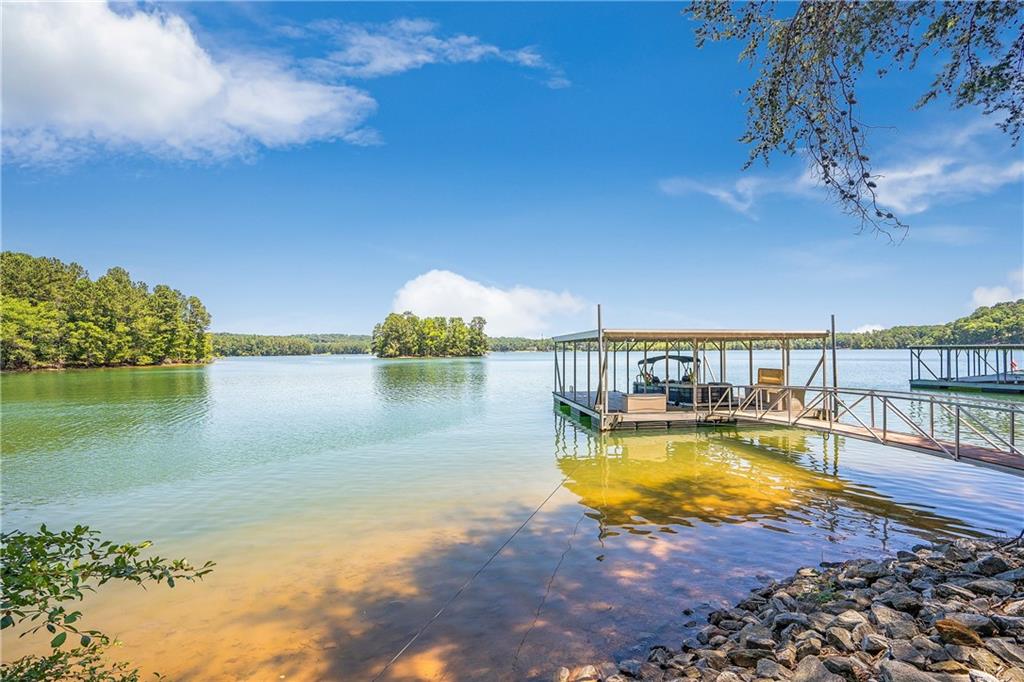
{"type": "Point", "coordinates": [963, 421]}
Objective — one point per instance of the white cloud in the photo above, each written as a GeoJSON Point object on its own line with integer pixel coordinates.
{"type": "Point", "coordinates": [918, 184]}
{"type": "Point", "coordinates": [990, 295]}
{"type": "Point", "coordinates": [739, 197]}
{"type": "Point", "coordinates": [406, 44]}
{"type": "Point", "coordinates": [742, 195]}
{"type": "Point", "coordinates": [865, 328]}
{"type": "Point", "coordinates": [80, 76]}
{"type": "Point", "coordinates": [516, 311]}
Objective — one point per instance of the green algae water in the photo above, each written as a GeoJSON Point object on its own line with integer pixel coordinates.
{"type": "Point", "coordinates": [347, 499]}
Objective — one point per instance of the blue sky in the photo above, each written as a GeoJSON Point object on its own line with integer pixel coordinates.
{"type": "Point", "coordinates": [310, 167]}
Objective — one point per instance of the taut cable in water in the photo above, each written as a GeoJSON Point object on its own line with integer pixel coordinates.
{"type": "Point", "coordinates": [473, 577]}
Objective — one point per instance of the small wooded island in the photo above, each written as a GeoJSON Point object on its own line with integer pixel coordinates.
{"type": "Point", "coordinates": [407, 335]}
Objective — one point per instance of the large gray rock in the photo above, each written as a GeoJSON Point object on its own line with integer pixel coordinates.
{"type": "Point", "coordinates": [1009, 624]}
{"type": "Point", "coordinates": [840, 639]}
{"type": "Point", "coordinates": [874, 643]}
{"type": "Point", "coordinates": [902, 650]}
{"type": "Point", "coordinates": [1007, 650]}
{"type": "Point", "coordinates": [748, 658]}
{"type": "Point", "coordinates": [811, 669]}
{"type": "Point", "coordinates": [767, 668]}
{"type": "Point", "coordinates": [898, 671]}
{"type": "Point", "coordinates": [789, 618]}
{"type": "Point", "coordinates": [1014, 575]}
{"type": "Point", "coordinates": [1002, 588]}
{"type": "Point", "coordinates": [874, 570]}
{"type": "Point", "coordinates": [990, 564]}
{"type": "Point", "coordinates": [848, 619]}
{"type": "Point", "coordinates": [949, 590]}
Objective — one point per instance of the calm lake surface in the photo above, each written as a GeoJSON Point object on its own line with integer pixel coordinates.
{"type": "Point", "coordinates": [347, 499]}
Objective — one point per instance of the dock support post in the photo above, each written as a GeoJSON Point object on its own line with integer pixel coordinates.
{"type": "Point", "coordinates": [956, 438]}
{"type": "Point", "coordinates": [835, 369]}
{"type": "Point", "coordinates": [750, 357]}
{"type": "Point", "coordinates": [693, 379]}
{"type": "Point", "coordinates": [668, 376]}
{"type": "Point", "coordinates": [885, 418]}
{"type": "Point", "coordinates": [824, 386]}
{"type": "Point", "coordinates": [563, 368]}
{"type": "Point", "coordinates": [590, 400]}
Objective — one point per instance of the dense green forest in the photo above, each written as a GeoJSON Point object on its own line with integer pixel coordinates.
{"type": "Point", "coordinates": [53, 315]}
{"type": "Point", "coordinates": [296, 344]}
{"type": "Point", "coordinates": [1000, 323]}
{"type": "Point", "coordinates": [407, 335]}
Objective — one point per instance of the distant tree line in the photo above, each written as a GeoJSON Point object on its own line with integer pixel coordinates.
{"type": "Point", "coordinates": [1000, 323]}
{"type": "Point", "coordinates": [297, 344]}
{"type": "Point", "coordinates": [53, 315]}
{"type": "Point", "coordinates": [407, 335]}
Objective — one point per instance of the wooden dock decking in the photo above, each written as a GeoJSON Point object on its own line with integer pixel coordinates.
{"type": "Point", "coordinates": [613, 417]}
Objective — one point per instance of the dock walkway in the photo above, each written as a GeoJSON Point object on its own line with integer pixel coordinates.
{"type": "Point", "coordinates": [972, 431]}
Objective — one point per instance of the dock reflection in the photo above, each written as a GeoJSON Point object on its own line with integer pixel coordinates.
{"type": "Point", "coordinates": [777, 478]}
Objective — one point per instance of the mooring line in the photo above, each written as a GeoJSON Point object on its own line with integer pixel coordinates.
{"type": "Point", "coordinates": [547, 591]}
{"type": "Point", "coordinates": [473, 577]}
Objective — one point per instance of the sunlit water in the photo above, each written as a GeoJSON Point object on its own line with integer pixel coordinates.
{"type": "Point", "coordinates": [346, 500]}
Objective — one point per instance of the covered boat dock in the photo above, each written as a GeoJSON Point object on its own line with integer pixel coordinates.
{"type": "Point", "coordinates": [632, 378]}
{"type": "Point", "coordinates": [984, 367]}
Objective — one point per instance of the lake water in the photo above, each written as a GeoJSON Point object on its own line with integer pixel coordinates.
{"type": "Point", "coordinates": [347, 499]}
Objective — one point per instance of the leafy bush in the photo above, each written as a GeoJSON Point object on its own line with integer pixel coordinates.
{"type": "Point", "coordinates": [43, 574]}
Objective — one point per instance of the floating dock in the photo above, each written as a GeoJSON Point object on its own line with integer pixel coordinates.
{"type": "Point", "coordinates": [606, 393]}
{"type": "Point", "coordinates": [990, 368]}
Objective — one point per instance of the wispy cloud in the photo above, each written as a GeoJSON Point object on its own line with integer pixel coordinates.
{"type": "Point", "coordinates": [513, 311]}
{"type": "Point", "coordinates": [83, 77]}
{"type": "Point", "coordinates": [942, 167]}
{"type": "Point", "coordinates": [1012, 290]}
{"type": "Point", "coordinates": [920, 183]}
{"type": "Point", "coordinates": [741, 195]}
{"type": "Point", "coordinates": [372, 51]}
{"type": "Point", "coordinates": [865, 328]}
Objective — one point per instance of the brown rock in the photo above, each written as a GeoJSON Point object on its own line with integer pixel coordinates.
{"type": "Point", "coordinates": [948, 666]}
{"type": "Point", "coordinates": [954, 632]}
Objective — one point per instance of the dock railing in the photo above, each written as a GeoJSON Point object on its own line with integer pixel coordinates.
{"type": "Point", "coordinates": [936, 422]}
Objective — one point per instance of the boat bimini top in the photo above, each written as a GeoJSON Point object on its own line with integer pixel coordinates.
{"type": "Point", "coordinates": [646, 366]}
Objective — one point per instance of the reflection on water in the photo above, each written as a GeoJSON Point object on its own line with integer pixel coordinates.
{"type": "Point", "coordinates": [122, 404]}
{"type": "Point", "coordinates": [346, 500]}
{"type": "Point", "coordinates": [652, 483]}
{"type": "Point", "coordinates": [454, 379]}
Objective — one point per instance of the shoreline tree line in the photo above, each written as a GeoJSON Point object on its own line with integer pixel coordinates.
{"type": "Point", "coordinates": [1000, 323]}
{"type": "Point", "coordinates": [54, 315]}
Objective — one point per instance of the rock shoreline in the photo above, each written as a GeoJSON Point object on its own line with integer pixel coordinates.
{"type": "Point", "coordinates": [950, 612]}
